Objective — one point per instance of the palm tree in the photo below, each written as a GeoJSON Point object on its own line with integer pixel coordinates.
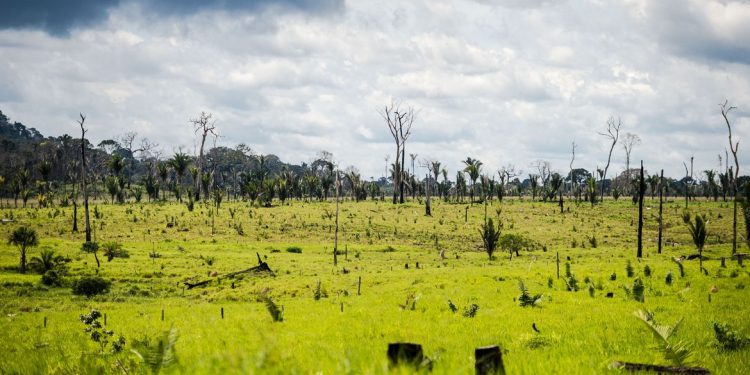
{"type": "Point", "coordinates": [713, 189]}
{"type": "Point", "coordinates": [179, 163]}
{"type": "Point", "coordinates": [490, 236]}
{"type": "Point", "coordinates": [47, 260]}
{"type": "Point", "coordinates": [473, 168]}
{"type": "Point", "coordinates": [698, 231]}
{"type": "Point", "coordinates": [534, 180]}
{"type": "Point", "coordinates": [116, 165]}
{"type": "Point", "coordinates": [24, 238]}
{"type": "Point", "coordinates": [435, 168]}
{"type": "Point", "coordinates": [163, 171]}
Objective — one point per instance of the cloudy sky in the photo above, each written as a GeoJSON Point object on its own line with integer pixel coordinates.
{"type": "Point", "coordinates": [506, 81]}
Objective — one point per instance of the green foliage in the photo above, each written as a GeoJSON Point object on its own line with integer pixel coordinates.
{"type": "Point", "coordinates": [680, 266]}
{"type": "Point", "coordinates": [668, 279]}
{"type": "Point", "coordinates": [471, 311]}
{"type": "Point", "coordinates": [629, 270]}
{"type": "Point", "coordinates": [114, 250]}
{"type": "Point", "coordinates": [637, 289]}
{"type": "Point", "coordinates": [729, 339]}
{"type": "Point", "coordinates": [452, 306]}
{"type": "Point", "coordinates": [647, 271]}
{"type": "Point", "coordinates": [513, 243]}
{"type": "Point", "coordinates": [276, 313]}
{"type": "Point", "coordinates": [490, 236]}
{"type": "Point", "coordinates": [47, 261]}
{"type": "Point", "coordinates": [91, 247]}
{"type": "Point", "coordinates": [526, 299]}
{"type": "Point", "coordinates": [23, 238]}
{"type": "Point", "coordinates": [52, 278]}
{"type": "Point", "coordinates": [676, 352]}
{"type": "Point", "coordinates": [98, 334]}
{"type": "Point", "coordinates": [697, 229]}
{"type": "Point", "coordinates": [294, 249]}
{"type": "Point", "coordinates": [159, 354]}
{"type": "Point", "coordinates": [90, 286]}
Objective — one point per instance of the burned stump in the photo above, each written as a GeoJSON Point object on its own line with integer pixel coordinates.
{"type": "Point", "coordinates": [409, 354]}
{"type": "Point", "coordinates": [488, 360]}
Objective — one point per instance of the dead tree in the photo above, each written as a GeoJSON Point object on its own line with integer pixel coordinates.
{"type": "Point", "coordinates": [399, 124]}
{"type": "Point", "coordinates": [205, 124]}
{"type": "Point", "coordinates": [83, 177]}
{"type": "Point", "coordinates": [572, 181]}
{"type": "Point", "coordinates": [641, 192]}
{"type": "Point", "coordinates": [661, 220]}
{"type": "Point", "coordinates": [336, 231]}
{"type": "Point", "coordinates": [733, 146]}
{"type": "Point", "coordinates": [630, 140]}
{"type": "Point", "coordinates": [613, 133]}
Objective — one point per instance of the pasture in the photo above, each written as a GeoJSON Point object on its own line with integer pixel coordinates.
{"type": "Point", "coordinates": [328, 327]}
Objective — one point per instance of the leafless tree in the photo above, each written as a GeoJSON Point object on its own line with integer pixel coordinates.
{"type": "Point", "coordinates": [733, 146]}
{"type": "Point", "coordinates": [629, 141]}
{"type": "Point", "coordinates": [613, 134]}
{"type": "Point", "coordinates": [505, 174]}
{"type": "Point", "coordinates": [572, 159]}
{"type": "Point", "coordinates": [399, 123]}
{"type": "Point", "coordinates": [83, 177]}
{"type": "Point", "coordinates": [205, 124]}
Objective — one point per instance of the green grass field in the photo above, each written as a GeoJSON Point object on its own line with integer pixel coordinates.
{"type": "Point", "coordinates": [579, 331]}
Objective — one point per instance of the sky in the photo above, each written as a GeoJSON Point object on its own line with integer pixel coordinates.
{"type": "Point", "coordinates": [506, 81]}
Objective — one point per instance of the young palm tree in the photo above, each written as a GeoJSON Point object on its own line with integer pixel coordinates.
{"type": "Point", "coordinates": [490, 236]}
{"type": "Point", "coordinates": [474, 169]}
{"type": "Point", "coordinates": [698, 231]}
{"type": "Point", "coordinates": [46, 261]}
{"type": "Point", "coordinates": [179, 163]}
{"type": "Point", "coordinates": [24, 238]}
{"type": "Point", "coordinates": [163, 171]}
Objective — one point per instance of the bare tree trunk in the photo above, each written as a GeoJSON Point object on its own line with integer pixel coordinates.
{"type": "Point", "coordinates": [401, 186]}
{"type": "Point", "coordinates": [661, 221]}
{"type": "Point", "coordinates": [336, 231]}
{"type": "Point", "coordinates": [641, 190]}
{"type": "Point", "coordinates": [427, 194]}
{"type": "Point", "coordinates": [83, 179]}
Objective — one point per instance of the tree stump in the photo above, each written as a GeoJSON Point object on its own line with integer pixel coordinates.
{"type": "Point", "coordinates": [488, 360]}
{"type": "Point", "coordinates": [610, 295]}
{"type": "Point", "coordinates": [723, 262]}
{"type": "Point", "coordinates": [405, 353]}
{"type": "Point", "coordinates": [740, 257]}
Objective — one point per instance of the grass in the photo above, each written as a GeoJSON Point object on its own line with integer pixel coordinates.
{"type": "Point", "coordinates": [577, 333]}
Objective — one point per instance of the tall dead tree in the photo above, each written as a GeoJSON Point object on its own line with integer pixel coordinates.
{"type": "Point", "coordinates": [83, 177]}
{"type": "Point", "coordinates": [205, 124]}
{"type": "Point", "coordinates": [572, 181]}
{"type": "Point", "coordinates": [399, 123]}
{"type": "Point", "coordinates": [613, 133]}
{"type": "Point", "coordinates": [733, 146]}
{"type": "Point", "coordinates": [641, 193]}
{"type": "Point", "coordinates": [661, 210]}
{"type": "Point", "coordinates": [336, 230]}
{"type": "Point", "coordinates": [629, 141]}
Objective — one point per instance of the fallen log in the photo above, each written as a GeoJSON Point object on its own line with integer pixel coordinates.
{"type": "Point", "coordinates": [262, 267]}
{"type": "Point", "coordinates": [634, 367]}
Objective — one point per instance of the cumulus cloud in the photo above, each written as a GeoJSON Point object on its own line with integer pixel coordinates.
{"type": "Point", "coordinates": [505, 82]}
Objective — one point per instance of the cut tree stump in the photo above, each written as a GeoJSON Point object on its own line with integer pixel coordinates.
{"type": "Point", "coordinates": [740, 257]}
{"type": "Point", "coordinates": [637, 367]}
{"type": "Point", "coordinates": [407, 353]}
{"type": "Point", "coordinates": [488, 360]}
{"type": "Point", "coordinates": [262, 267]}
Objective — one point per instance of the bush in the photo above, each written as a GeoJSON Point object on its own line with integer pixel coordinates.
{"type": "Point", "coordinates": [52, 278]}
{"type": "Point", "coordinates": [728, 338]}
{"type": "Point", "coordinates": [294, 249]}
{"type": "Point", "coordinates": [90, 286]}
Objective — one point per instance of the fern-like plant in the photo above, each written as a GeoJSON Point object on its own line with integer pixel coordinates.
{"type": "Point", "coordinates": [526, 299]}
{"type": "Point", "coordinates": [675, 351]}
{"type": "Point", "coordinates": [159, 355]}
{"type": "Point", "coordinates": [490, 237]}
{"type": "Point", "coordinates": [276, 313]}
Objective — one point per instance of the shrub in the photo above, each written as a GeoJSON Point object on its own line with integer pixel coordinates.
{"type": "Point", "coordinates": [52, 278]}
{"type": "Point", "coordinates": [90, 286]}
{"type": "Point", "coordinates": [294, 249]}
{"type": "Point", "coordinates": [471, 311]}
{"type": "Point", "coordinates": [629, 271]}
{"type": "Point", "coordinates": [638, 289]}
{"type": "Point", "coordinates": [647, 271]}
{"type": "Point", "coordinates": [526, 299]}
{"type": "Point", "coordinates": [728, 338]}
{"type": "Point", "coordinates": [668, 279]}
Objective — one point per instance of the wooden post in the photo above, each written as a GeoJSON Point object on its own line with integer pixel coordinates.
{"type": "Point", "coordinates": [359, 286]}
{"type": "Point", "coordinates": [558, 265]}
{"type": "Point", "coordinates": [162, 315]}
{"type": "Point", "coordinates": [400, 353]}
{"type": "Point", "coordinates": [222, 313]}
{"type": "Point", "coordinates": [45, 322]}
{"type": "Point", "coordinates": [723, 262]}
{"type": "Point", "coordinates": [466, 214]}
{"type": "Point", "coordinates": [342, 307]}
{"type": "Point", "coordinates": [105, 319]}
{"type": "Point", "coordinates": [488, 360]}
{"type": "Point", "coordinates": [661, 220]}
